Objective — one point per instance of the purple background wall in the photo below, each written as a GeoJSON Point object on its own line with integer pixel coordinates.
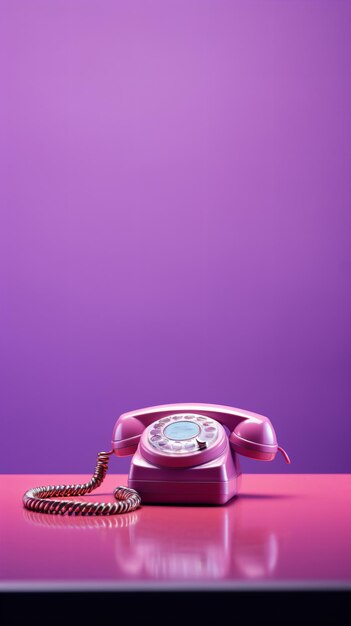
{"type": "Point", "coordinates": [175, 206]}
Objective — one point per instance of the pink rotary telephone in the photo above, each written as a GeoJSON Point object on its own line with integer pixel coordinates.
{"type": "Point", "coordinates": [182, 454]}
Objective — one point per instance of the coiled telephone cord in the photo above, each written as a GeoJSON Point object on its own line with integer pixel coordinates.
{"type": "Point", "coordinates": [37, 499]}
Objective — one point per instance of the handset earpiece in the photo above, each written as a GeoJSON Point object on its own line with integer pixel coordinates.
{"type": "Point", "coordinates": [256, 439]}
{"type": "Point", "coordinates": [126, 435]}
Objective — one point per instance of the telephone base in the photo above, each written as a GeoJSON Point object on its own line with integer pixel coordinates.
{"type": "Point", "coordinates": [163, 492]}
{"type": "Point", "coordinates": [214, 482]}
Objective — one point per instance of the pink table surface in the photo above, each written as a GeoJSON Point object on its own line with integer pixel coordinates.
{"type": "Point", "coordinates": [289, 531]}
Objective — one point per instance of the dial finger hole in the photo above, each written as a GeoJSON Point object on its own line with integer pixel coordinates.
{"type": "Point", "coordinates": [176, 446]}
{"type": "Point", "coordinates": [209, 435]}
{"type": "Point", "coordinates": [190, 445]}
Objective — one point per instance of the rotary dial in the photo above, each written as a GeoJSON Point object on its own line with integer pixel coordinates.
{"type": "Point", "coordinates": [183, 433]}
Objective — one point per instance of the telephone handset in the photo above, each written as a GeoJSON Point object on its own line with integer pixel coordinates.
{"type": "Point", "coordinates": [182, 454]}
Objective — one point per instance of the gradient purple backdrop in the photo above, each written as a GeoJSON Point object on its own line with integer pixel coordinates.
{"type": "Point", "coordinates": [175, 207]}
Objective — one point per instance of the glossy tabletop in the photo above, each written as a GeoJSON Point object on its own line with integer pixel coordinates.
{"type": "Point", "coordinates": [289, 531]}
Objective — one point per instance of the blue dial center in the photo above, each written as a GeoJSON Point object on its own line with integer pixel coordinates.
{"type": "Point", "coordinates": [181, 430]}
